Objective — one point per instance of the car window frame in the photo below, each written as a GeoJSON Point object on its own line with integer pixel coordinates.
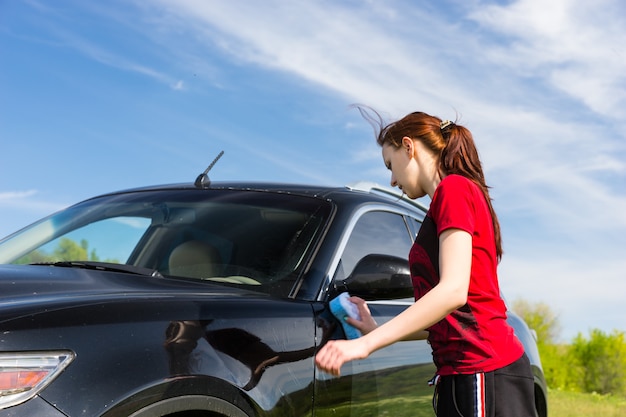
{"type": "Point", "coordinates": [347, 233]}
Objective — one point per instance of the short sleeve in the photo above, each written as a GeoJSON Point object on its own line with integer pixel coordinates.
{"type": "Point", "coordinates": [453, 205]}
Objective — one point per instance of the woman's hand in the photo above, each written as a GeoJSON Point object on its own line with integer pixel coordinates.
{"type": "Point", "coordinates": [337, 352]}
{"type": "Point", "coordinates": [367, 322]}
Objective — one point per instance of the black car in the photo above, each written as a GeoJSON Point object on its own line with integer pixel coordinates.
{"type": "Point", "coordinates": [211, 300]}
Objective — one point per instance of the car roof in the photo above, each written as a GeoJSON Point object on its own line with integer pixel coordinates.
{"type": "Point", "coordinates": [364, 191]}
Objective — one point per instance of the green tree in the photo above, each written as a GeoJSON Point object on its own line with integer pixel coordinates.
{"type": "Point", "coordinates": [65, 250]}
{"type": "Point", "coordinates": [603, 358]}
{"type": "Point", "coordinates": [541, 318]}
{"type": "Point", "coordinates": [69, 250]}
{"type": "Point", "coordinates": [33, 257]}
{"type": "Point", "coordinates": [560, 369]}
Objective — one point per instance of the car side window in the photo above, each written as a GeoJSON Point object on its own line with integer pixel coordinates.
{"type": "Point", "coordinates": [414, 225]}
{"type": "Point", "coordinates": [375, 232]}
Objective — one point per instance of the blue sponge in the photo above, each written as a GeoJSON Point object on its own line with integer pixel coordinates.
{"type": "Point", "coordinates": [341, 307]}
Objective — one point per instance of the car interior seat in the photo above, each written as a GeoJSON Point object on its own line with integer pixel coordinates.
{"type": "Point", "coordinates": [194, 259]}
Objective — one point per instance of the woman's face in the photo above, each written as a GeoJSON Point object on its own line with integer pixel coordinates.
{"type": "Point", "coordinates": [413, 168]}
{"type": "Point", "coordinates": [405, 170]}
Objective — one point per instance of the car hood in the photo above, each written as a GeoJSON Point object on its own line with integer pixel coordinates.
{"type": "Point", "coordinates": [30, 288]}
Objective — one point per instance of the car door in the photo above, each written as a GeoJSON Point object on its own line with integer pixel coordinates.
{"type": "Point", "coordinates": [393, 380]}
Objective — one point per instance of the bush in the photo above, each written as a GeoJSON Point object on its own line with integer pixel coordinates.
{"type": "Point", "coordinates": [596, 364]}
{"type": "Point", "coordinates": [603, 358]}
{"type": "Point", "coordinates": [561, 370]}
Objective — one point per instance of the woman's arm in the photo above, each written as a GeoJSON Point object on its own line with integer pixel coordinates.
{"type": "Point", "coordinates": [455, 262]}
{"type": "Point", "coordinates": [368, 324]}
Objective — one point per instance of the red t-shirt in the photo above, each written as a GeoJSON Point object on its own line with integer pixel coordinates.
{"type": "Point", "coordinates": [476, 337]}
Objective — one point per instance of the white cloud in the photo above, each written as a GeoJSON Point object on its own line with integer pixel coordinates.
{"type": "Point", "coordinates": [8, 196]}
{"type": "Point", "coordinates": [398, 60]}
{"type": "Point", "coordinates": [179, 86]}
{"type": "Point", "coordinates": [27, 200]}
{"type": "Point", "coordinates": [62, 37]}
{"type": "Point", "coordinates": [20, 208]}
{"type": "Point", "coordinates": [575, 44]}
{"type": "Point", "coordinates": [107, 58]}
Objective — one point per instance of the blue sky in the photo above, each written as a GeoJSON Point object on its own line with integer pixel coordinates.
{"type": "Point", "coordinates": [101, 96]}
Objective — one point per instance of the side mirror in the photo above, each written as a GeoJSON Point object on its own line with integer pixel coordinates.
{"type": "Point", "coordinates": [379, 277]}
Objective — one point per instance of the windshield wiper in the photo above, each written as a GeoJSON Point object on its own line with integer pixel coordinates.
{"type": "Point", "coordinates": [104, 266]}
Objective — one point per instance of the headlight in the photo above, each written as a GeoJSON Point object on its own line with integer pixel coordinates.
{"type": "Point", "coordinates": [24, 374]}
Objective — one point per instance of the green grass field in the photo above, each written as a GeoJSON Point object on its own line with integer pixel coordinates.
{"type": "Point", "coordinates": [572, 404]}
{"type": "Point", "coordinates": [402, 398]}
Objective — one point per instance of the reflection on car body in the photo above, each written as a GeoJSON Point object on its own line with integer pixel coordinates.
{"type": "Point", "coordinates": [211, 298]}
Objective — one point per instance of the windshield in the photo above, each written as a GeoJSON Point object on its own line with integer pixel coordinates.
{"type": "Point", "coordinates": [258, 239]}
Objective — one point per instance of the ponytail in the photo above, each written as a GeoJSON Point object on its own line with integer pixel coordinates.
{"type": "Point", "coordinates": [460, 156]}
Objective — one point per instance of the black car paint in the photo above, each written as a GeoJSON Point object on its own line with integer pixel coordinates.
{"type": "Point", "coordinates": [263, 346]}
{"type": "Point", "coordinates": [151, 345]}
{"type": "Point", "coordinates": [86, 316]}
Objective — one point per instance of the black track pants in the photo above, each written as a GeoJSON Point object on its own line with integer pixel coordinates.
{"type": "Point", "coordinates": [505, 392]}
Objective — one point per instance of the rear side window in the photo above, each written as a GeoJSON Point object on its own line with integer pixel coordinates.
{"type": "Point", "coordinates": [375, 232]}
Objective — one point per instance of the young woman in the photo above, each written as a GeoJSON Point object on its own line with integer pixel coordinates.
{"type": "Point", "coordinates": [482, 369]}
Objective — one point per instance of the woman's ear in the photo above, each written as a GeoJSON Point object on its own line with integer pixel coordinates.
{"type": "Point", "coordinates": [408, 146]}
